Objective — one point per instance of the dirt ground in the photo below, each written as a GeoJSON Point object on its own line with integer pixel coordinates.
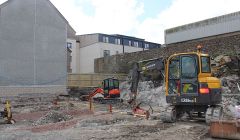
{"type": "Point", "coordinates": [98, 124]}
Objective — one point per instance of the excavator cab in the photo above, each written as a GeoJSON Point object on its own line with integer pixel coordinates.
{"type": "Point", "coordinates": [110, 88]}
{"type": "Point", "coordinates": [190, 86]}
{"type": "Point", "coordinates": [189, 80]}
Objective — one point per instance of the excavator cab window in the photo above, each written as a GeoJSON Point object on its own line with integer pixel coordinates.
{"type": "Point", "coordinates": [189, 67]}
{"type": "Point", "coordinates": [116, 84]}
{"type": "Point", "coordinates": [174, 71]}
{"type": "Point", "coordinates": [174, 75]}
{"type": "Point", "coordinates": [110, 84]}
{"type": "Point", "coordinates": [105, 86]}
{"type": "Point", "coordinates": [189, 74]}
{"type": "Point", "coordinates": [205, 61]}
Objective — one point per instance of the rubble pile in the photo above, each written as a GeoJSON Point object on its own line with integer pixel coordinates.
{"type": "Point", "coordinates": [230, 84]}
{"type": "Point", "coordinates": [52, 117]}
{"type": "Point", "coordinates": [147, 93]}
{"type": "Point", "coordinates": [225, 65]}
{"type": "Point", "coordinates": [231, 95]}
{"type": "Point", "coordinates": [229, 104]}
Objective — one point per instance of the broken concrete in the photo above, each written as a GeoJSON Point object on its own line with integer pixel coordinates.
{"type": "Point", "coordinates": [147, 93]}
{"type": "Point", "coordinates": [52, 117]}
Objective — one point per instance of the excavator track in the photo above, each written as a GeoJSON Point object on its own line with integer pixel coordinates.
{"type": "Point", "coordinates": [169, 115]}
{"type": "Point", "coordinates": [213, 113]}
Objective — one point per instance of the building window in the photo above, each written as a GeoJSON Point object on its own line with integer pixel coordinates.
{"type": "Point", "coordinates": [105, 39]}
{"type": "Point", "coordinates": [135, 44]}
{"type": "Point", "coordinates": [69, 45]}
{"type": "Point", "coordinates": [146, 46]}
{"type": "Point", "coordinates": [129, 43]}
{"type": "Point", "coordinates": [106, 53]}
{"type": "Point", "coordinates": [117, 41]}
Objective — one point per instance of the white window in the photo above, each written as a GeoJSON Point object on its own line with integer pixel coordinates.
{"type": "Point", "coordinates": [106, 53]}
{"type": "Point", "coordinates": [105, 39]}
{"type": "Point", "coordinates": [146, 46]}
{"type": "Point", "coordinates": [135, 44]}
{"type": "Point", "coordinates": [69, 45]}
{"type": "Point", "coordinates": [129, 43]}
{"type": "Point", "coordinates": [117, 41]}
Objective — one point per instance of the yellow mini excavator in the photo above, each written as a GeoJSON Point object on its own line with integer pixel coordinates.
{"type": "Point", "coordinates": [6, 114]}
{"type": "Point", "coordinates": [190, 87]}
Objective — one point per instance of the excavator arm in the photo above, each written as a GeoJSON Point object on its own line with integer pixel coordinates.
{"type": "Point", "coordinates": [149, 70]}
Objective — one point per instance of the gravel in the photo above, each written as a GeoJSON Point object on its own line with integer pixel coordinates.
{"type": "Point", "coordinates": [52, 117]}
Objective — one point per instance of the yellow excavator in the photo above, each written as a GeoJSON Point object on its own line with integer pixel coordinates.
{"type": "Point", "coordinates": [190, 86]}
{"type": "Point", "coordinates": [6, 114]}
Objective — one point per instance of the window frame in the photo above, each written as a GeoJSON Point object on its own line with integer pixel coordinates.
{"type": "Point", "coordinates": [135, 44]}
{"type": "Point", "coordinates": [69, 45]}
{"type": "Point", "coordinates": [177, 58]}
{"type": "Point", "coordinates": [105, 39]}
{"type": "Point", "coordinates": [108, 54]}
{"type": "Point", "coordinates": [129, 43]}
{"type": "Point", "coordinates": [209, 65]}
{"type": "Point", "coordinates": [195, 63]}
{"type": "Point", "coordinates": [146, 46]}
{"type": "Point", "coordinates": [118, 41]}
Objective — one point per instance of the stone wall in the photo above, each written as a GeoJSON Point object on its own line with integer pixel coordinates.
{"type": "Point", "coordinates": [216, 45]}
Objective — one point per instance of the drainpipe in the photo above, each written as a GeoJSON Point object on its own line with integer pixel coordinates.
{"type": "Point", "coordinates": [143, 45]}
{"type": "Point", "coordinates": [123, 45]}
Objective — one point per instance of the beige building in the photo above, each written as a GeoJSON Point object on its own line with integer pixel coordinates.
{"type": "Point", "coordinates": [92, 46]}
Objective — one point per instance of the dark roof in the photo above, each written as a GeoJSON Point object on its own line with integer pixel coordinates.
{"type": "Point", "coordinates": [114, 35]}
{"type": "Point", "coordinates": [120, 36]}
{"type": "Point", "coordinates": [124, 36]}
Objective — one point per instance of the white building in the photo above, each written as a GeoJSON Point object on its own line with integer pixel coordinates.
{"type": "Point", "coordinates": [210, 27]}
{"type": "Point", "coordinates": [92, 46]}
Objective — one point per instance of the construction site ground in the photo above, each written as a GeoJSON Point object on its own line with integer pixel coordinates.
{"type": "Point", "coordinates": [39, 123]}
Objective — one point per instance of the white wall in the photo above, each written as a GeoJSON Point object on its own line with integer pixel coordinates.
{"type": "Point", "coordinates": [32, 44]}
{"type": "Point", "coordinates": [130, 49]}
{"type": "Point", "coordinates": [89, 53]}
{"type": "Point", "coordinates": [87, 56]}
{"type": "Point", "coordinates": [210, 27]}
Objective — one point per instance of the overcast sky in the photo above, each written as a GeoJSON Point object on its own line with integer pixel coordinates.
{"type": "Point", "coordinates": [140, 18]}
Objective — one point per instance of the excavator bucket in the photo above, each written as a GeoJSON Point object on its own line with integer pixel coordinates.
{"type": "Point", "coordinates": [140, 112]}
{"type": "Point", "coordinates": [227, 129]}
